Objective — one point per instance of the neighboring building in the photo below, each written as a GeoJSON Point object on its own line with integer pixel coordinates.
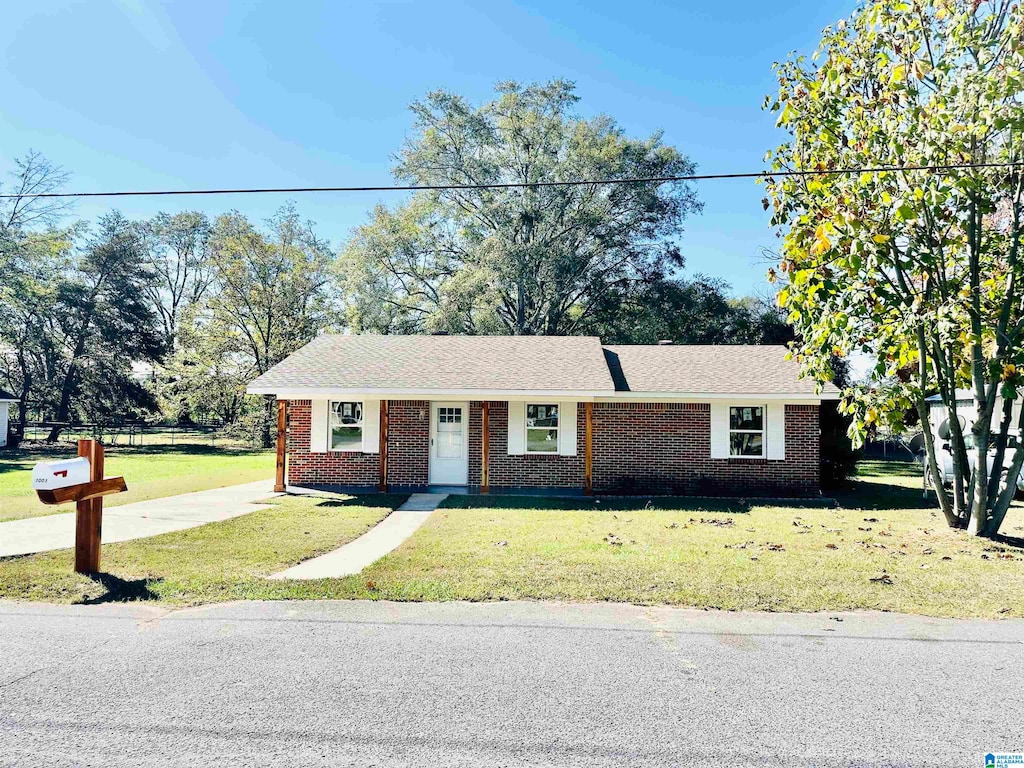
{"type": "Point", "coordinates": [557, 414]}
{"type": "Point", "coordinates": [6, 401]}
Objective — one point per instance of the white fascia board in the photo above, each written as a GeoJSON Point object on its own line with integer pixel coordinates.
{"type": "Point", "coordinates": [704, 397]}
{"type": "Point", "coordinates": [307, 393]}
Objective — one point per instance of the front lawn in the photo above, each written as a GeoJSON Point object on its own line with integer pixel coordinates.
{"type": "Point", "coordinates": [883, 547]}
{"type": "Point", "coordinates": [151, 472]}
{"type": "Point", "coordinates": [215, 562]}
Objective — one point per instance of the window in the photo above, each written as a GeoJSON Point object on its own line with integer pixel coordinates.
{"type": "Point", "coordinates": [542, 429]}
{"type": "Point", "coordinates": [346, 426]}
{"type": "Point", "coordinates": [746, 431]}
{"type": "Point", "coordinates": [449, 433]}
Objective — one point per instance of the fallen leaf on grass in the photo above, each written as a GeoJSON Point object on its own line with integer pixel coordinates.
{"type": "Point", "coordinates": [859, 528]}
{"type": "Point", "coordinates": [885, 578]}
{"type": "Point", "coordinates": [928, 551]}
{"type": "Point", "coordinates": [371, 585]}
{"type": "Point", "coordinates": [831, 546]}
{"type": "Point", "coordinates": [870, 519]}
{"type": "Point", "coordinates": [613, 540]}
{"type": "Point", "coordinates": [501, 543]}
{"type": "Point", "coordinates": [672, 525]}
{"type": "Point", "coordinates": [924, 565]}
{"type": "Point", "coordinates": [946, 557]}
{"type": "Point", "coordinates": [714, 521]}
{"type": "Point", "coordinates": [775, 548]}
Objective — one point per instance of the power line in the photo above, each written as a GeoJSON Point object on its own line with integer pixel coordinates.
{"type": "Point", "coordinates": [523, 184]}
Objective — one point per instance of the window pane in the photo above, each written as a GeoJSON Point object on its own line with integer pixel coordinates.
{"type": "Point", "coordinates": [346, 439]}
{"type": "Point", "coordinates": [346, 413]}
{"type": "Point", "coordinates": [542, 415]}
{"type": "Point", "coordinates": [745, 444]}
{"type": "Point", "coordinates": [746, 417]}
{"type": "Point", "coordinates": [542, 440]}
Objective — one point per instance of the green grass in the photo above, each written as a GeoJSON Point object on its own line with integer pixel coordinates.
{"type": "Point", "coordinates": [881, 547]}
{"type": "Point", "coordinates": [216, 562]}
{"type": "Point", "coordinates": [151, 473]}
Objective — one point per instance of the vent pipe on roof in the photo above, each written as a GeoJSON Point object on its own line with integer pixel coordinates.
{"type": "Point", "coordinates": [664, 342]}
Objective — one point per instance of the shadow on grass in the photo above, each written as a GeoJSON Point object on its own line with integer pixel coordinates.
{"type": "Point", "coordinates": [1010, 541]}
{"type": "Point", "coordinates": [866, 495]}
{"type": "Point", "coordinates": [386, 500]}
{"type": "Point", "coordinates": [119, 590]}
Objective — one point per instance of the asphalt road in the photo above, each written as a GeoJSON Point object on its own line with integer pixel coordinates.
{"type": "Point", "coordinates": [504, 684]}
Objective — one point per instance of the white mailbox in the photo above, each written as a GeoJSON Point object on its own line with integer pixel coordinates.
{"type": "Point", "coordinates": [49, 475]}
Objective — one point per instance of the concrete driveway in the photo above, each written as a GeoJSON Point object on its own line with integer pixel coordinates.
{"type": "Point", "coordinates": [509, 684]}
{"type": "Point", "coordinates": [138, 520]}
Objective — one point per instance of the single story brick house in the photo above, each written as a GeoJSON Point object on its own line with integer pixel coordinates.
{"type": "Point", "coordinates": [488, 414]}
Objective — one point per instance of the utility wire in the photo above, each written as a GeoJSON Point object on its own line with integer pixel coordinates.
{"type": "Point", "coordinates": [522, 184]}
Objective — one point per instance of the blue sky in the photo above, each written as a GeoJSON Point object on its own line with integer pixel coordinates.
{"type": "Point", "coordinates": [147, 95]}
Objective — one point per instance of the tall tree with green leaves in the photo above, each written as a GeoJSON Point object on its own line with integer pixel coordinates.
{"type": "Point", "coordinates": [515, 260]}
{"type": "Point", "coordinates": [179, 258]}
{"type": "Point", "coordinates": [32, 251]}
{"type": "Point", "coordinates": [921, 268]}
{"type": "Point", "coordinates": [271, 293]}
{"type": "Point", "coordinates": [101, 323]}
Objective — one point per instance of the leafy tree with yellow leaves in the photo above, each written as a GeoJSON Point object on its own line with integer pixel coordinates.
{"type": "Point", "coordinates": [921, 268]}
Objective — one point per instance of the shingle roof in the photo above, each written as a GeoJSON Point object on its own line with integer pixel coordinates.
{"type": "Point", "coordinates": [497, 364]}
{"type": "Point", "coordinates": [431, 363]}
{"type": "Point", "coordinates": [707, 369]}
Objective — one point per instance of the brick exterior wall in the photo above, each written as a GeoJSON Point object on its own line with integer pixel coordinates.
{"type": "Point", "coordinates": [526, 471]}
{"type": "Point", "coordinates": [637, 448]}
{"type": "Point", "coordinates": [408, 450]}
{"type": "Point", "coordinates": [666, 448]}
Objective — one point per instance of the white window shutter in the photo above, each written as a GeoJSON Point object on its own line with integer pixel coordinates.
{"type": "Point", "coordinates": [775, 431]}
{"type": "Point", "coordinates": [567, 429]}
{"type": "Point", "coordinates": [516, 429]}
{"type": "Point", "coordinates": [371, 426]}
{"type": "Point", "coordinates": [719, 431]}
{"type": "Point", "coordinates": [318, 429]}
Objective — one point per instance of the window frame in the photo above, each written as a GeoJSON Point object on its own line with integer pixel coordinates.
{"type": "Point", "coordinates": [331, 426]}
{"type": "Point", "coordinates": [557, 429]}
{"type": "Point", "coordinates": [763, 432]}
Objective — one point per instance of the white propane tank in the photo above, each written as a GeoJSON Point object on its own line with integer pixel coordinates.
{"type": "Point", "coordinates": [50, 475]}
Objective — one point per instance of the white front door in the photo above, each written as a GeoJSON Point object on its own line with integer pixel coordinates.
{"type": "Point", "coordinates": [449, 446]}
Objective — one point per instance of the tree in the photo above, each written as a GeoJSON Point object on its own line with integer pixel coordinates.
{"type": "Point", "coordinates": [697, 311]}
{"type": "Point", "coordinates": [180, 262]}
{"type": "Point", "coordinates": [271, 293]}
{"type": "Point", "coordinates": [921, 268]}
{"type": "Point", "coordinates": [32, 250]}
{"type": "Point", "coordinates": [101, 323]}
{"type": "Point", "coordinates": [516, 260]}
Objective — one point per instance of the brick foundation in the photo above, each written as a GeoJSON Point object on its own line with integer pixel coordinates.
{"type": "Point", "coordinates": [637, 448]}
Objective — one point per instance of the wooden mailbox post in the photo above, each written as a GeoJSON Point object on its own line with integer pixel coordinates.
{"type": "Point", "coordinates": [51, 483]}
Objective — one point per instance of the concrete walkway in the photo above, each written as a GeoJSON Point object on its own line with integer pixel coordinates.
{"type": "Point", "coordinates": [372, 545]}
{"type": "Point", "coordinates": [139, 520]}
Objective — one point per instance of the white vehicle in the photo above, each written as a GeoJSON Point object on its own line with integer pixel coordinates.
{"type": "Point", "coordinates": [944, 458]}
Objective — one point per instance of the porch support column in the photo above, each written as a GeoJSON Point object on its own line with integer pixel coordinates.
{"type": "Point", "coordinates": [485, 457]}
{"type": "Point", "coordinates": [282, 446]}
{"type": "Point", "coordinates": [382, 482]}
{"type": "Point", "coordinates": [588, 449]}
